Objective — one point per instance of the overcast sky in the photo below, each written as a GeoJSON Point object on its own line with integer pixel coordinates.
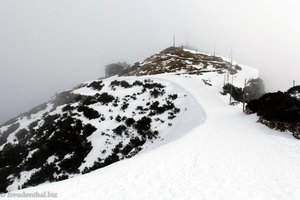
{"type": "Point", "coordinates": [47, 46]}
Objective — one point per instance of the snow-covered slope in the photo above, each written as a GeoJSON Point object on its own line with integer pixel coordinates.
{"type": "Point", "coordinates": [223, 155]}
{"type": "Point", "coordinates": [90, 127]}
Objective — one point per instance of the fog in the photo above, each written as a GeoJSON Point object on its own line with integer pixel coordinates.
{"type": "Point", "coordinates": [48, 46]}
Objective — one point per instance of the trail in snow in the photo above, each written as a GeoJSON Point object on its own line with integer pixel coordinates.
{"type": "Point", "coordinates": [227, 157]}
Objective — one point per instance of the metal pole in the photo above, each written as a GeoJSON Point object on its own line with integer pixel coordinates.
{"type": "Point", "coordinates": [214, 50]}
{"type": "Point", "coordinates": [174, 40]}
{"type": "Point", "coordinates": [231, 88]}
{"type": "Point", "coordinates": [244, 95]}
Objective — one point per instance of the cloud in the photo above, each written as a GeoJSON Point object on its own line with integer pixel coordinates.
{"type": "Point", "coordinates": [50, 46]}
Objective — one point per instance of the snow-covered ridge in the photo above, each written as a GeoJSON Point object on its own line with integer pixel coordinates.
{"type": "Point", "coordinates": [98, 123]}
{"type": "Point", "coordinates": [229, 156]}
{"type": "Point", "coordinates": [210, 151]}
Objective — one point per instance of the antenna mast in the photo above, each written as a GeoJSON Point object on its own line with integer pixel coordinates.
{"type": "Point", "coordinates": [231, 55]}
{"type": "Point", "coordinates": [174, 40]}
{"type": "Point", "coordinates": [214, 50]}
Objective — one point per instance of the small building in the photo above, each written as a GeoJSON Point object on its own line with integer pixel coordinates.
{"type": "Point", "coordinates": [113, 69]}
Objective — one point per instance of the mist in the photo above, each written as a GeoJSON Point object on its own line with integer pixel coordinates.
{"type": "Point", "coordinates": [48, 46]}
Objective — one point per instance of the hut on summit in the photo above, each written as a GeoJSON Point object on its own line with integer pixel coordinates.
{"type": "Point", "coordinates": [113, 69]}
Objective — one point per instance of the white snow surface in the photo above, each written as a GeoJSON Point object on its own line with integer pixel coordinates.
{"type": "Point", "coordinates": [226, 156]}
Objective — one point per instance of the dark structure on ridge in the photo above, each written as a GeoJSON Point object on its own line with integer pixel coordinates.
{"type": "Point", "coordinates": [115, 68]}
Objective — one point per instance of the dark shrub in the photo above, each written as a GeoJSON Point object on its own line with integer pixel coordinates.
{"type": "Point", "coordinates": [117, 148]}
{"type": "Point", "coordinates": [173, 96]}
{"type": "Point", "coordinates": [12, 155]}
{"type": "Point", "coordinates": [21, 134]}
{"type": "Point", "coordinates": [276, 106]}
{"type": "Point", "coordinates": [68, 108]}
{"type": "Point", "coordinates": [33, 125]}
{"type": "Point", "coordinates": [129, 121]}
{"type": "Point", "coordinates": [111, 159]}
{"type": "Point", "coordinates": [70, 165]}
{"type": "Point", "coordinates": [49, 120]}
{"type": "Point", "coordinates": [158, 109]}
{"type": "Point", "coordinates": [150, 85]}
{"type": "Point", "coordinates": [127, 149]}
{"type": "Point", "coordinates": [138, 83]}
{"type": "Point", "coordinates": [136, 142]}
{"type": "Point", "coordinates": [143, 125]}
{"type": "Point", "coordinates": [235, 92]}
{"type": "Point", "coordinates": [278, 111]}
{"type": "Point", "coordinates": [124, 106]}
{"type": "Point", "coordinates": [115, 83]}
{"type": "Point", "coordinates": [89, 101]}
{"type": "Point", "coordinates": [105, 98]}
{"type": "Point", "coordinates": [125, 84]}
{"type": "Point", "coordinates": [156, 93]}
{"type": "Point", "coordinates": [96, 85]}
{"type": "Point", "coordinates": [88, 130]}
{"type": "Point", "coordinates": [66, 98]}
{"type": "Point", "coordinates": [44, 174]}
{"type": "Point", "coordinates": [4, 173]}
{"type": "Point", "coordinates": [118, 118]}
{"type": "Point", "coordinates": [88, 112]}
{"type": "Point", "coordinates": [120, 129]}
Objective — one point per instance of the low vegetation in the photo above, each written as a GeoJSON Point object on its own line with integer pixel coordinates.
{"type": "Point", "coordinates": [280, 111]}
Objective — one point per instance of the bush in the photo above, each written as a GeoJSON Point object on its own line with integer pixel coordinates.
{"type": "Point", "coordinates": [136, 142]}
{"type": "Point", "coordinates": [88, 112]}
{"type": "Point", "coordinates": [111, 159]}
{"type": "Point", "coordinates": [137, 83]}
{"type": "Point", "coordinates": [4, 173]}
{"type": "Point", "coordinates": [44, 174]}
{"type": "Point", "coordinates": [88, 130]}
{"type": "Point", "coordinates": [124, 106]}
{"type": "Point", "coordinates": [125, 84]}
{"type": "Point", "coordinates": [12, 155]}
{"type": "Point", "coordinates": [68, 108]}
{"type": "Point", "coordinates": [143, 125]}
{"type": "Point", "coordinates": [278, 111]}
{"type": "Point", "coordinates": [235, 92]}
{"type": "Point", "coordinates": [156, 93]}
{"type": "Point", "coordinates": [105, 98]}
{"type": "Point", "coordinates": [173, 96]}
{"type": "Point", "coordinates": [118, 118]}
{"type": "Point", "coordinates": [89, 101]}
{"type": "Point", "coordinates": [276, 106]}
{"type": "Point", "coordinates": [120, 129]}
{"type": "Point", "coordinates": [96, 85]}
{"type": "Point", "coordinates": [21, 134]}
{"type": "Point", "coordinates": [158, 109]}
{"type": "Point", "coordinates": [129, 121]}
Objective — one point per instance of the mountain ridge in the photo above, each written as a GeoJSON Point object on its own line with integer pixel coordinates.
{"type": "Point", "coordinates": [72, 114]}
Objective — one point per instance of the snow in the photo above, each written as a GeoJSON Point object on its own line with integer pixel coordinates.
{"type": "Point", "coordinates": [297, 95]}
{"type": "Point", "coordinates": [24, 175]}
{"type": "Point", "coordinates": [184, 102]}
{"type": "Point", "coordinates": [51, 159]}
{"type": "Point", "coordinates": [24, 122]}
{"type": "Point", "coordinates": [224, 155]}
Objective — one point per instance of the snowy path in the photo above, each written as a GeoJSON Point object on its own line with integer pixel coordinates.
{"type": "Point", "coordinates": [227, 157]}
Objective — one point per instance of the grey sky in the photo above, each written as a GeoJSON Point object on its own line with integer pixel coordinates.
{"type": "Point", "coordinates": [48, 46]}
